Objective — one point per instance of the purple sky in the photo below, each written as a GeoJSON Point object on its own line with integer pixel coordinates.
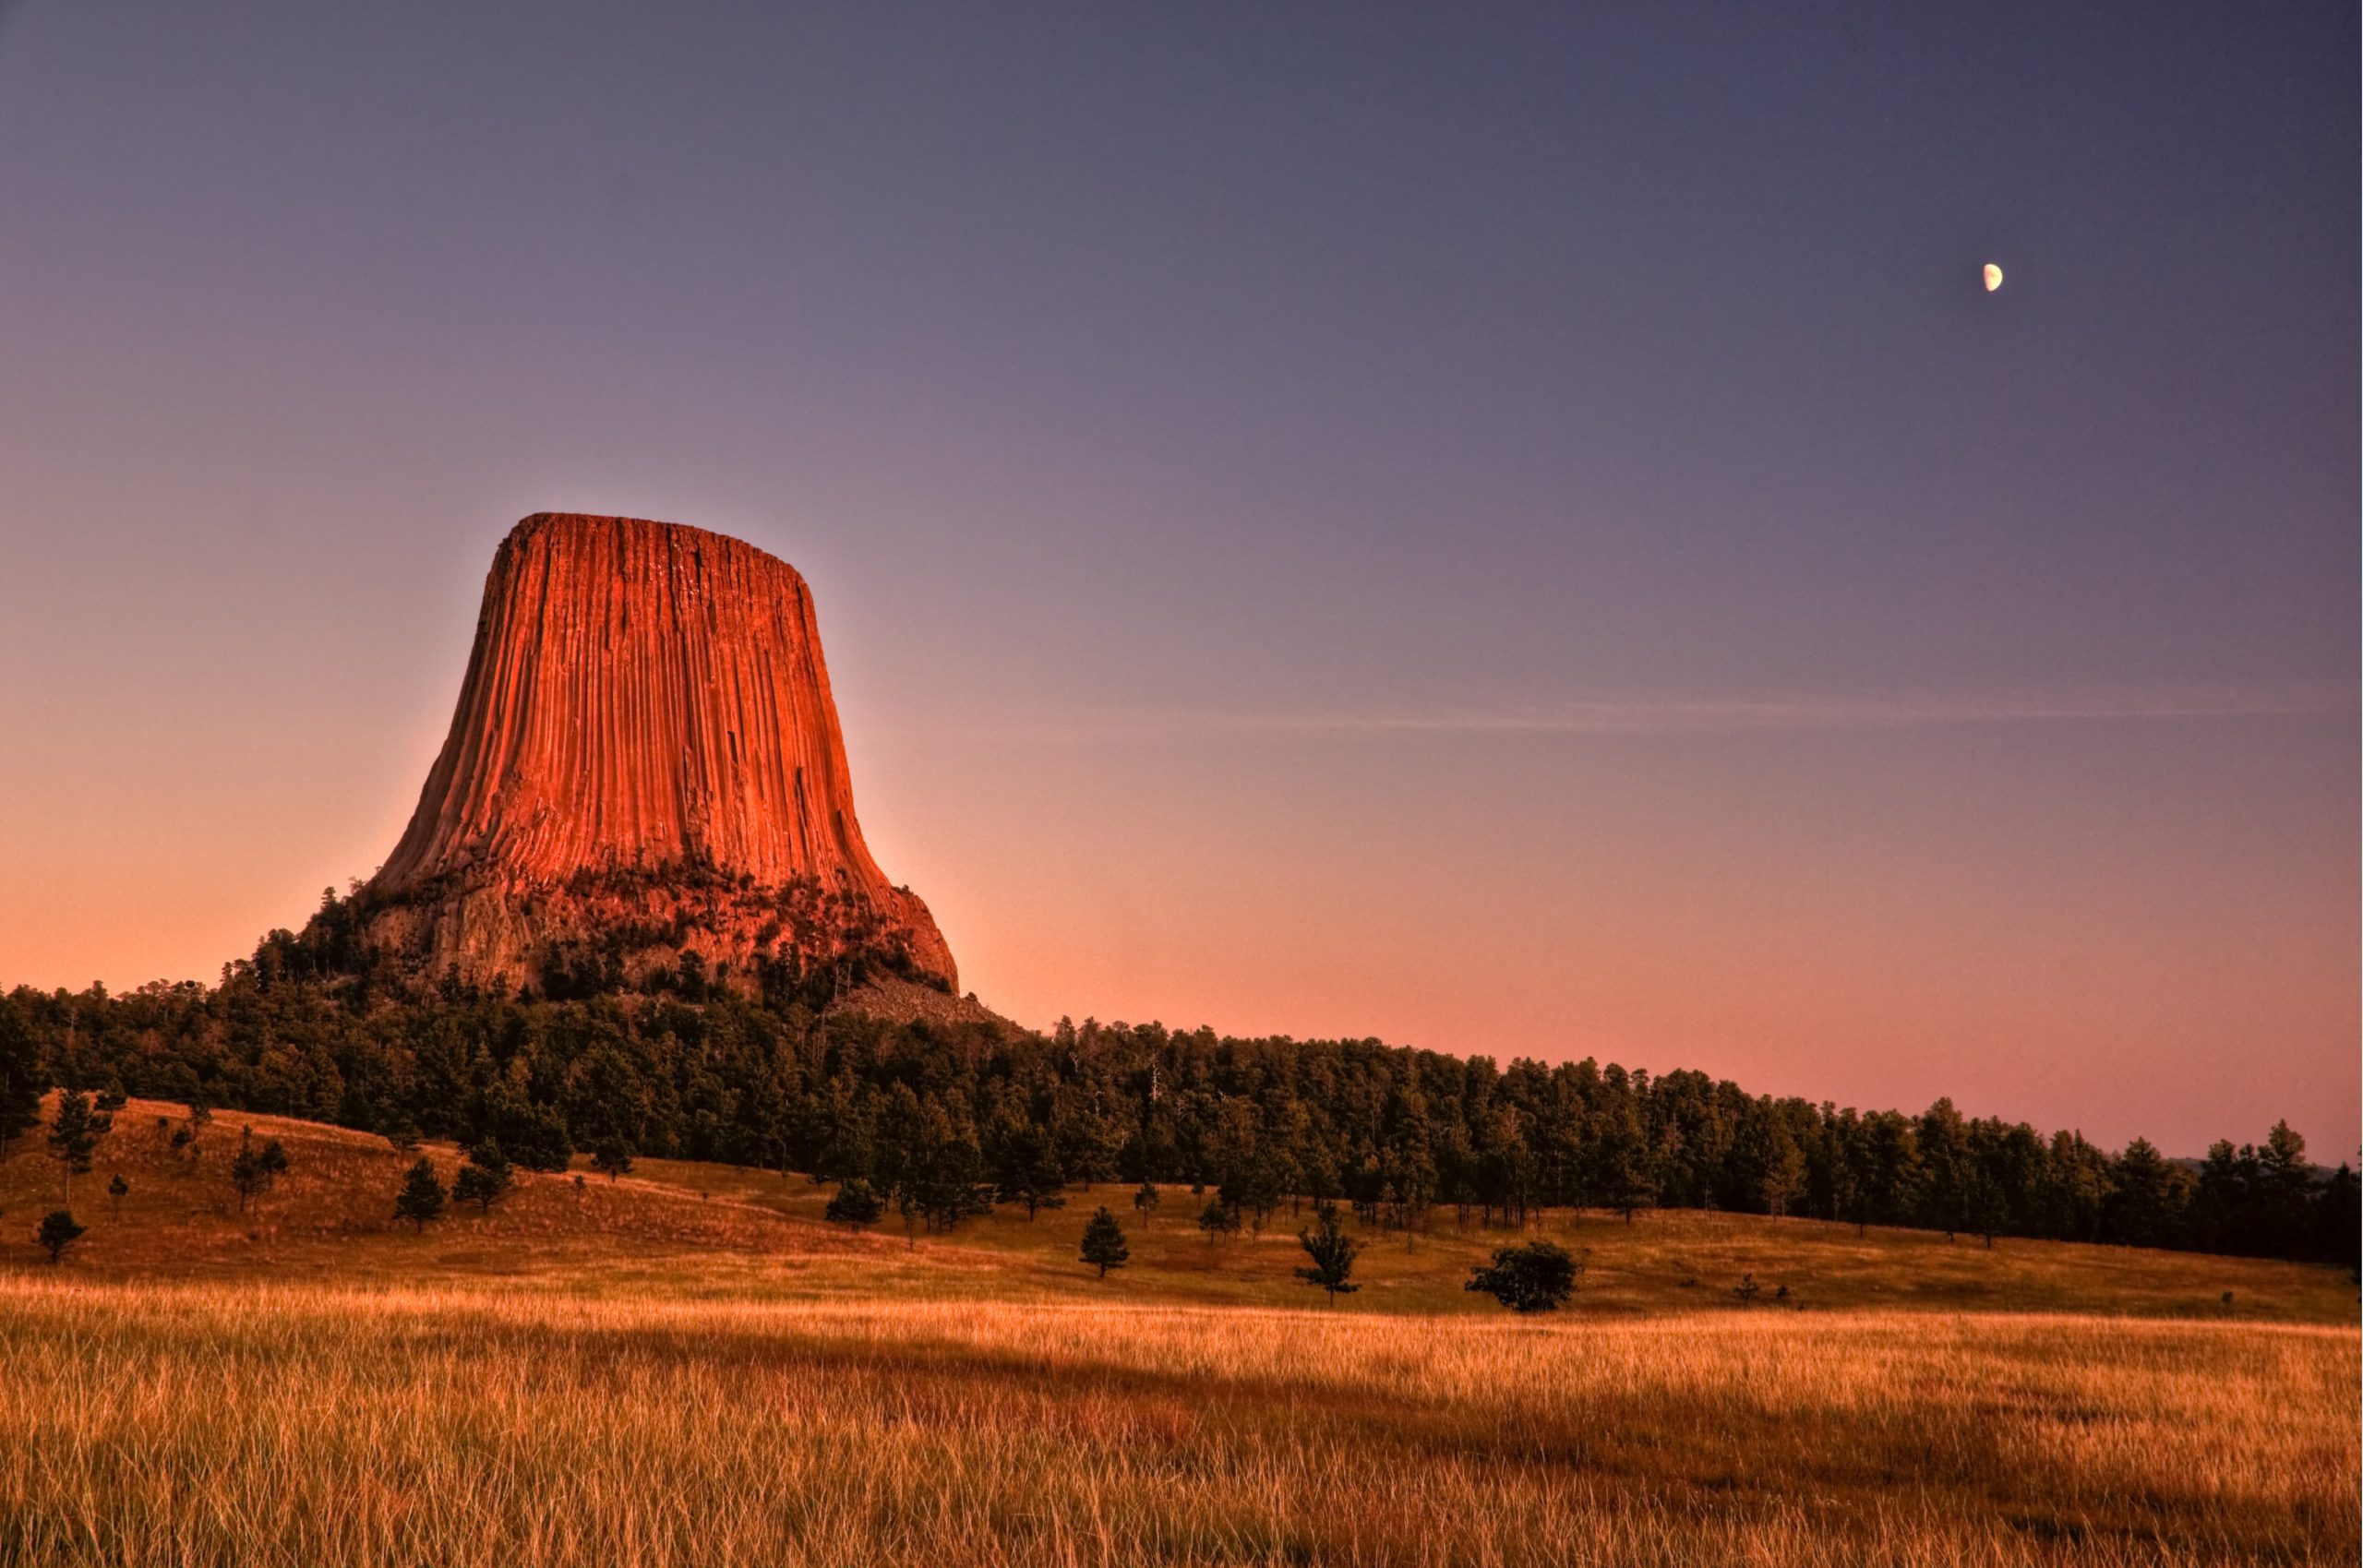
{"type": "Point", "coordinates": [1486, 526]}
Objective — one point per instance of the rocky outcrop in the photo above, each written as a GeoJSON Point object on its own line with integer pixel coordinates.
{"type": "Point", "coordinates": [645, 762]}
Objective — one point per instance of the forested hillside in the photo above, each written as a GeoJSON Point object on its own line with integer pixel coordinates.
{"type": "Point", "coordinates": [946, 1119]}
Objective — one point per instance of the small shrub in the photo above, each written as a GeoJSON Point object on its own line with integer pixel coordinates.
{"type": "Point", "coordinates": [856, 1203]}
{"type": "Point", "coordinates": [58, 1232]}
{"type": "Point", "coordinates": [1333, 1253]}
{"type": "Point", "coordinates": [1537, 1278]}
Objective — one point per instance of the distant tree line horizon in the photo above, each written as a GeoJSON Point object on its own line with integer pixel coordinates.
{"type": "Point", "coordinates": [951, 1118]}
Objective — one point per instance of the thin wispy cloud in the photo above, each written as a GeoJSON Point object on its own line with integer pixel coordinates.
{"type": "Point", "coordinates": [1645, 714]}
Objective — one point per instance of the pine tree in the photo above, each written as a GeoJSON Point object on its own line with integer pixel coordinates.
{"type": "Point", "coordinates": [486, 1179]}
{"type": "Point", "coordinates": [2338, 1219]}
{"type": "Point", "coordinates": [1783, 1174]}
{"type": "Point", "coordinates": [22, 1079]}
{"type": "Point", "coordinates": [1333, 1253]}
{"type": "Point", "coordinates": [1103, 1242]}
{"type": "Point", "coordinates": [1947, 1159]}
{"type": "Point", "coordinates": [949, 1186]}
{"type": "Point", "coordinates": [2285, 1192]}
{"type": "Point", "coordinates": [74, 1138]}
{"type": "Point", "coordinates": [246, 1173]}
{"type": "Point", "coordinates": [1625, 1176]}
{"type": "Point", "coordinates": [421, 1198]}
{"type": "Point", "coordinates": [118, 1189]}
{"type": "Point", "coordinates": [1026, 1171]}
{"type": "Point", "coordinates": [611, 1157]}
{"type": "Point", "coordinates": [1145, 1200]}
{"type": "Point", "coordinates": [58, 1232]}
{"type": "Point", "coordinates": [2140, 1211]}
{"type": "Point", "coordinates": [1255, 1184]}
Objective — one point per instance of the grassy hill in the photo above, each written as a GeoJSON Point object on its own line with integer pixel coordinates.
{"type": "Point", "coordinates": [704, 1228]}
{"type": "Point", "coordinates": [687, 1366]}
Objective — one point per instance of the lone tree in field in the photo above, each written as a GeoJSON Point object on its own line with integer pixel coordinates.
{"type": "Point", "coordinates": [611, 1157]}
{"type": "Point", "coordinates": [118, 1189]}
{"type": "Point", "coordinates": [1103, 1242]}
{"type": "Point", "coordinates": [1145, 1200]}
{"type": "Point", "coordinates": [58, 1232]}
{"type": "Point", "coordinates": [486, 1179]}
{"type": "Point", "coordinates": [1218, 1221]}
{"type": "Point", "coordinates": [74, 1138]}
{"type": "Point", "coordinates": [1537, 1278]}
{"type": "Point", "coordinates": [856, 1203]}
{"type": "Point", "coordinates": [421, 1198]}
{"type": "Point", "coordinates": [188, 1140]}
{"type": "Point", "coordinates": [247, 1172]}
{"type": "Point", "coordinates": [1333, 1253]}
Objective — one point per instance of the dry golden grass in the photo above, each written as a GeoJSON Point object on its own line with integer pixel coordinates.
{"type": "Point", "coordinates": [222, 1424]}
{"type": "Point", "coordinates": [685, 1366]}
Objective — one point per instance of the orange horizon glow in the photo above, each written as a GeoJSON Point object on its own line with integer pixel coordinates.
{"type": "Point", "coordinates": [1704, 899]}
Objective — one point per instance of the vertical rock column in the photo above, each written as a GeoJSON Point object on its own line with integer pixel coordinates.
{"type": "Point", "coordinates": [643, 695]}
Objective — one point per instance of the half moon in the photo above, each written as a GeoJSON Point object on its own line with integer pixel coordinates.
{"type": "Point", "coordinates": [1992, 276]}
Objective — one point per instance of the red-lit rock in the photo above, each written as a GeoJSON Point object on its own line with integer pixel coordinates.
{"type": "Point", "coordinates": [645, 761]}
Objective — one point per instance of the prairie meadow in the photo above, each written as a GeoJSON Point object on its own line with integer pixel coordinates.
{"type": "Point", "coordinates": [684, 1367]}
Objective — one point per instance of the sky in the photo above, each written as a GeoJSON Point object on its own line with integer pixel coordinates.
{"type": "Point", "coordinates": [1514, 530]}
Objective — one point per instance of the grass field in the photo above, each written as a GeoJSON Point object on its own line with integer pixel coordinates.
{"type": "Point", "coordinates": [684, 1367]}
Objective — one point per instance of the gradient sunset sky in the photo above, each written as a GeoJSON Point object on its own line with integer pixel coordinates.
{"type": "Point", "coordinates": [1510, 529]}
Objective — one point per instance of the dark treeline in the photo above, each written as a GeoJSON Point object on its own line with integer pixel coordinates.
{"type": "Point", "coordinates": [944, 1120]}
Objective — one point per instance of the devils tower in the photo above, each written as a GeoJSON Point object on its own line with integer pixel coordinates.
{"type": "Point", "coordinates": [645, 770]}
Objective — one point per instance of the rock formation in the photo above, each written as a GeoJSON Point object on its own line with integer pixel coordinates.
{"type": "Point", "coordinates": [645, 762]}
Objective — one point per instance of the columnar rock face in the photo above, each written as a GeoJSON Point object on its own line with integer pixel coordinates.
{"type": "Point", "coordinates": [645, 761]}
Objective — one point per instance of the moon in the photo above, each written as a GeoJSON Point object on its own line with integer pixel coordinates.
{"type": "Point", "coordinates": [1992, 276]}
